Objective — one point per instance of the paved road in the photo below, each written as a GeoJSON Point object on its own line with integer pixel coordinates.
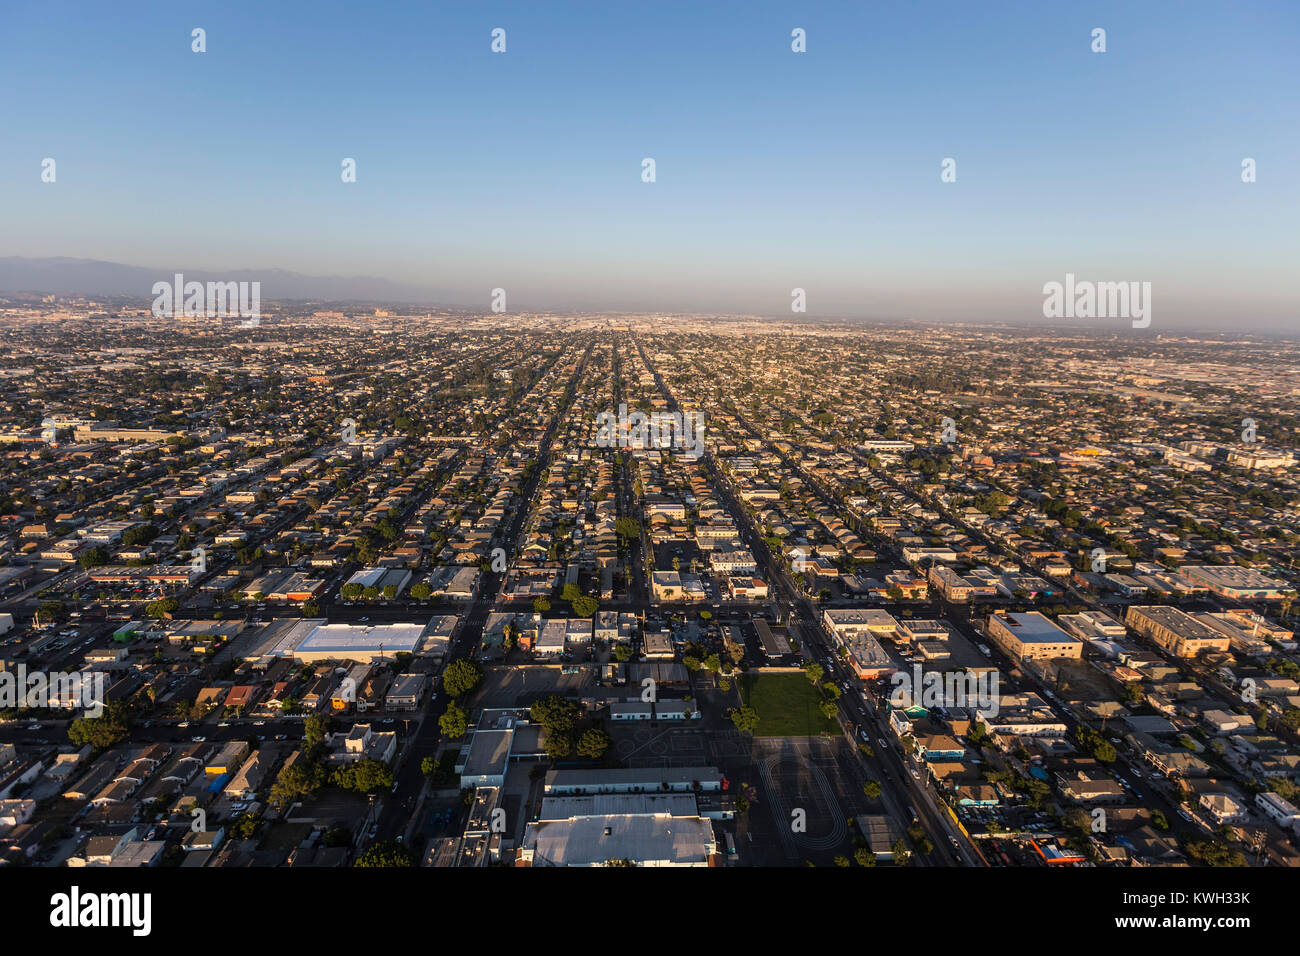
{"type": "Point", "coordinates": [399, 814]}
{"type": "Point", "coordinates": [901, 789]}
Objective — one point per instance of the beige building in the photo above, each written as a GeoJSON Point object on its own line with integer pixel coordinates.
{"type": "Point", "coordinates": [1031, 636]}
{"type": "Point", "coordinates": [1176, 632]}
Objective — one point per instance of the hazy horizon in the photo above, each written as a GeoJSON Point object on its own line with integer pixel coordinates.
{"type": "Point", "coordinates": [775, 170]}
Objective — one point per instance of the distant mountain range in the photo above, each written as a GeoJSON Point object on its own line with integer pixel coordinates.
{"type": "Point", "coordinates": [95, 277]}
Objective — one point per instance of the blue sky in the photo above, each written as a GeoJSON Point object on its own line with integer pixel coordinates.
{"type": "Point", "coordinates": [819, 170]}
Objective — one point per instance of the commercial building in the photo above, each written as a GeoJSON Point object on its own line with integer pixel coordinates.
{"type": "Point", "coordinates": [632, 780]}
{"type": "Point", "coordinates": [483, 763]}
{"type": "Point", "coordinates": [1031, 636]}
{"type": "Point", "coordinates": [368, 642]}
{"type": "Point", "coordinates": [960, 588]}
{"type": "Point", "coordinates": [1236, 583]}
{"type": "Point", "coordinates": [1175, 631]}
{"type": "Point", "coordinates": [550, 638]}
{"type": "Point", "coordinates": [639, 830]}
{"type": "Point", "coordinates": [775, 643]}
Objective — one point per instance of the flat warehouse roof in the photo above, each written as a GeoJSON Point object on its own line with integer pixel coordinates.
{"type": "Point", "coordinates": [611, 804]}
{"type": "Point", "coordinates": [489, 752]}
{"type": "Point", "coordinates": [623, 776]}
{"type": "Point", "coordinates": [1034, 628]}
{"type": "Point", "coordinates": [352, 637]}
{"type": "Point", "coordinates": [586, 841]}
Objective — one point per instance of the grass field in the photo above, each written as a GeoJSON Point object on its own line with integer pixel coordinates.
{"type": "Point", "coordinates": [787, 705]}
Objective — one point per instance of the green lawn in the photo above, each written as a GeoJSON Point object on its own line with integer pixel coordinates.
{"type": "Point", "coordinates": [787, 705]}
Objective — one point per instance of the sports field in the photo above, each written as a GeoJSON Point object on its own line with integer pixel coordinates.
{"type": "Point", "coordinates": [788, 705]}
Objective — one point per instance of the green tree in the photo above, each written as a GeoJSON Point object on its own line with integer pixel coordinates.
{"type": "Point", "coordinates": [364, 776]}
{"type": "Point", "coordinates": [298, 780]}
{"type": "Point", "coordinates": [93, 558]}
{"type": "Point", "coordinates": [745, 719]}
{"type": "Point", "coordinates": [111, 727]}
{"type": "Point", "coordinates": [389, 853]}
{"type": "Point", "coordinates": [314, 729]}
{"type": "Point", "coordinates": [555, 713]}
{"type": "Point", "coordinates": [454, 722]}
{"type": "Point", "coordinates": [558, 744]}
{"type": "Point", "coordinates": [593, 744]}
{"type": "Point", "coordinates": [461, 677]}
{"type": "Point", "coordinates": [162, 608]}
{"type": "Point", "coordinates": [901, 853]}
{"type": "Point", "coordinates": [245, 826]}
{"type": "Point", "coordinates": [1214, 853]}
{"type": "Point", "coordinates": [48, 611]}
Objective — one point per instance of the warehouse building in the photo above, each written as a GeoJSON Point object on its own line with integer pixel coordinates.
{"type": "Point", "coordinates": [1031, 636]}
{"type": "Point", "coordinates": [1176, 632]}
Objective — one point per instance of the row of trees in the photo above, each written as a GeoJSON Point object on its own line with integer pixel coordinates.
{"type": "Point", "coordinates": [460, 677]}
{"type": "Point", "coordinates": [560, 718]}
{"type": "Point", "coordinates": [352, 591]}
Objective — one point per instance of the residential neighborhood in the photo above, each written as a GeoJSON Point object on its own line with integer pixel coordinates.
{"type": "Point", "coordinates": [356, 588]}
